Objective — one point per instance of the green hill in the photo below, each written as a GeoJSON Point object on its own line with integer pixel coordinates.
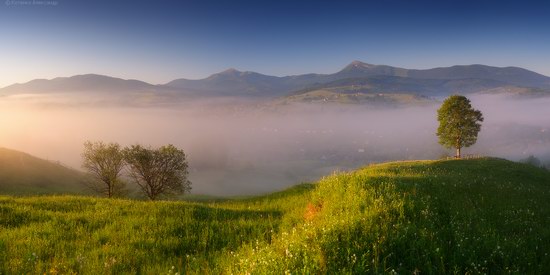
{"type": "Point", "coordinates": [456, 216]}
{"type": "Point", "coordinates": [405, 85]}
{"type": "Point", "coordinates": [329, 96]}
{"type": "Point", "coordinates": [23, 174]}
{"type": "Point", "coordinates": [414, 87]}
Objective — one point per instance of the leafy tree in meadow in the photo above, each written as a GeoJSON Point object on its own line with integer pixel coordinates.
{"type": "Point", "coordinates": [104, 162]}
{"type": "Point", "coordinates": [161, 171]}
{"type": "Point", "coordinates": [459, 123]}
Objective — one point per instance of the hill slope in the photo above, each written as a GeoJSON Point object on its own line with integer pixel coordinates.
{"type": "Point", "coordinates": [23, 174]}
{"type": "Point", "coordinates": [334, 96]}
{"type": "Point", "coordinates": [458, 216]}
{"type": "Point", "coordinates": [405, 85]}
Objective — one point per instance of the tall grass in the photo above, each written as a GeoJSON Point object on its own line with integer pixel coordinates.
{"type": "Point", "coordinates": [458, 216]}
{"type": "Point", "coordinates": [68, 234]}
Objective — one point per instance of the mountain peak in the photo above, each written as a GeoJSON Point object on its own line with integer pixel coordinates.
{"type": "Point", "coordinates": [359, 65]}
{"type": "Point", "coordinates": [231, 71]}
{"type": "Point", "coordinates": [359, 69]}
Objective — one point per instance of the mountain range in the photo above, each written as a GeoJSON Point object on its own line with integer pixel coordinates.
{"type": "Point", "coordinates": [355, 78]}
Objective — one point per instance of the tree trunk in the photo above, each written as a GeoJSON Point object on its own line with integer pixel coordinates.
{"type": "Point", "coordinates": [458, 146]}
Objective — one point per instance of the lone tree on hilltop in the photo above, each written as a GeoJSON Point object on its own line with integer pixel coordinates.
{"type": "Point", "coordinates": [161, 171]}
{"type": "Point", "coordinates": [104, 162]}
{"type": "Point", "coordinates": [459, 123]}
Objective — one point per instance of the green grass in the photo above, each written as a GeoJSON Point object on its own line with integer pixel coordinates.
{"type": "Point", "coordinates": [457, 216]}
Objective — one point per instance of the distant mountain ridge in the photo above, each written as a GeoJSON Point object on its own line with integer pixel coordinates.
{"type": "Point", "coordinates": [398, 84]}
{"type": "Point", "coordinates": [81, 83]}
{"type": "Point", "coordinates": [366, 77]}
{"type": "Point", "coordinates": [436, 81]}
{"type": "Point", "coordinates": [233, 82]}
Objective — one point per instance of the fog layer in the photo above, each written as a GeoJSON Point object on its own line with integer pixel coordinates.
{"type": "Point", "coordinates": [242, 147]}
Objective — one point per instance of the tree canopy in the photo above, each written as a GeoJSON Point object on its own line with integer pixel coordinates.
{"type": "Point", "coordinates": [161, 171]}
{"type": "Point", "coordinates": [104, 162]}
{"type": "Point", "coordinates": [157, 172]}
{"type": "Point", "coordinates": [459, 123]}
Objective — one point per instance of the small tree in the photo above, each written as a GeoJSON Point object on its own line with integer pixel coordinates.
{"type": "Point", "coordinates": [105, 163]}
{"type": "Point", "coordinates": [161, 171]}
{"type": "Point", "coordinates": [458, 123]}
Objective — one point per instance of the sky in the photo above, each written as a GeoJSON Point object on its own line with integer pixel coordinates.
{"type": "Point", "coordinates": [158, 41]}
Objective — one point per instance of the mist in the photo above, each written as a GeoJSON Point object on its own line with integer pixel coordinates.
{"type": "Point", "coordinates": [241, 147]}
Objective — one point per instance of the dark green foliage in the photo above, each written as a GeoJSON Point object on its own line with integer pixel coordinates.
{"type": "Point", "coordinates": [104, 162]}
{"type": "Point", "coordinates": [458, 123]}
{"type": "Point", "coordinates": [161, 171]}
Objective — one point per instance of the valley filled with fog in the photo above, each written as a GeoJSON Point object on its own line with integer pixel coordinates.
{"type": "Point", "coordinates": [250, 147]}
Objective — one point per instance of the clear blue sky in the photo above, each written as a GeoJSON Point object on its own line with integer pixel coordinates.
{"type": "Point", "coordinates": [158, 41]}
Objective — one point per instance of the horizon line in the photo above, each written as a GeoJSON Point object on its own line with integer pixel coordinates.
{"type": "Point", "coordinates": [280, 76]}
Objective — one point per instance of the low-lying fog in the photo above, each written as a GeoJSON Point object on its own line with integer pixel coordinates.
{"type": "Point", "coordinates": [247, 148]}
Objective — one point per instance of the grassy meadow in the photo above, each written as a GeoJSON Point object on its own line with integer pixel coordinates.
{"type": "Point", "coordinates": [455, 216]}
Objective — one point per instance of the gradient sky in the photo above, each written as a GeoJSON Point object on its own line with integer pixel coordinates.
{"type": "Point", "coordinates": [158, 41]}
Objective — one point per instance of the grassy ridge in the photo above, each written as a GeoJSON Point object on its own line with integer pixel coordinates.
{"type": "Point", "coordinates": [23, 174]}
{"type": "Point", "coordinates": [465, 216]}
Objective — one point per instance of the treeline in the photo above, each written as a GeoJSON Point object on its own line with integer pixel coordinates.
{"type": "Point", "coordinates": [536, 162]}
{"type": "Point", "coordinates": [156, 171]}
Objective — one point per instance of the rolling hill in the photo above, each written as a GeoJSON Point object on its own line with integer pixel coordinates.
{"type": "Point", "coordinates": [456, 216]}
{"type": "Point", "coordinates": [334, 96]}
{"type": "Point", "coordinates": [405, 85]}
{"type": "Point", "coordinates": [23, 174]}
